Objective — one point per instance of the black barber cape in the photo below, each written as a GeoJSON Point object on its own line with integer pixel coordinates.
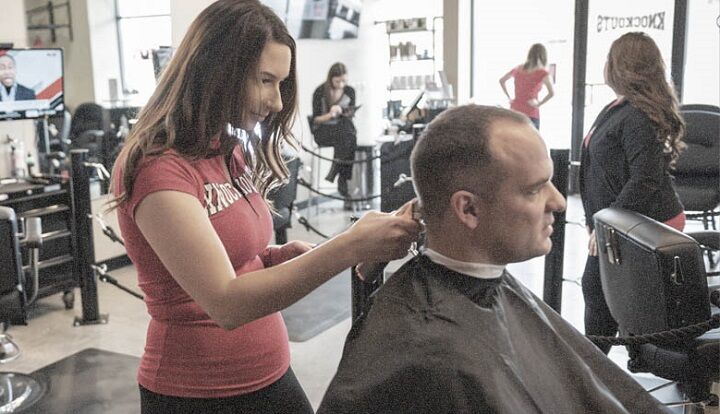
{"type": "Point", "coordinates": [437, 341]}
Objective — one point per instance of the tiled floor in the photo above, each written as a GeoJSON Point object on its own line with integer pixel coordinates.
{"type": "Point", "coordinates": [50, 334]}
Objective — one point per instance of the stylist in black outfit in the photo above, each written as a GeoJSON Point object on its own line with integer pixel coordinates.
{"type": "Point", "coordinates": [627, 156]}
{"type": "Point", "coordinates": [333, 109]}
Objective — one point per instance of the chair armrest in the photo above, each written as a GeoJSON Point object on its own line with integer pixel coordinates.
{"type": "Point", "coordinates": [709, 238]}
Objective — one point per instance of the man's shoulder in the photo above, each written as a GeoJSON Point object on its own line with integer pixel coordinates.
{"type": "Point", "coordinates": [407, 287]}
{"type": "Point", "coordinates": [413, 300]}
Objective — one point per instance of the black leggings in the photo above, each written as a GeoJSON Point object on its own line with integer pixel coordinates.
{"type": "Point", "coordinates": [283, 396]}
{"type": "Point", "coordinates": [345, 150]}
{"type": "Point", "coordinates": [598, 320]}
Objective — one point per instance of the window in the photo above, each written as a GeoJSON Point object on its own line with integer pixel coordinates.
{"type": "Point", "coordinates": [503, 34]}
{"type": "Point", "coordinates": [702, 61]}
{"type": "Point", "coordinates": [142, 26]}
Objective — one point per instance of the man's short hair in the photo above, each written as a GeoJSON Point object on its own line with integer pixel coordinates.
{"type": "Point", "coordinates": [452, 154]}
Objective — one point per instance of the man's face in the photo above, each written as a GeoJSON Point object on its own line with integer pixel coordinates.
{"type": "Point", "coordinates": [264, 89]}
{"type": "Point", "coordinates": [7, 71]}
{"type": "Point", "coordinates": [518, 219]}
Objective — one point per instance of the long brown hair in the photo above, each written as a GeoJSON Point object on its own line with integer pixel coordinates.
{"type": "Point", "coordinates": [337, 69]}
{"type": "Point", "coordinates": [635, 70]}
{"type": "Point", "coordinates": [536, 57]}
{"type": "Point", "coordinates": [204, 89]}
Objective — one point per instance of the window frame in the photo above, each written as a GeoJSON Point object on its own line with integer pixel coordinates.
{"type": "Point", "coordinates": [118, 20]}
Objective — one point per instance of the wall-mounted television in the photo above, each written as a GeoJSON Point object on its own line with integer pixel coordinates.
{"type": "Point", "coordinates": [31, 83]}
{"type": "Point", "coordinates": [319, 19]}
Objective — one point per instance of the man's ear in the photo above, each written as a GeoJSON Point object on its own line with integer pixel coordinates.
{"type": "Point", "coordinates": [464, 205]}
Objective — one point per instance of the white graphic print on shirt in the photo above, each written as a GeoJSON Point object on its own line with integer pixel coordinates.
{"type": "Point", "coordinates": [219, 196]}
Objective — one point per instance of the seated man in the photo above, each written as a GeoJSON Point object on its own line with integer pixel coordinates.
{"type": "Point", "coordinates": [452, 331]}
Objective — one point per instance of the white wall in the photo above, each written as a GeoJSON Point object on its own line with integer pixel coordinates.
{"type": "Point", "coordinates": [183, 12]}
{"type": "Point", "coordinates": [12, 29]}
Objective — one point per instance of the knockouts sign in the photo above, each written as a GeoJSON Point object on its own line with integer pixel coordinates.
{"type": "Point", "coordinates": [646, 21]}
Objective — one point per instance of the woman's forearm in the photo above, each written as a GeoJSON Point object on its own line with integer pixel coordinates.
{"type": "Point", "coordinates": [256, 294]}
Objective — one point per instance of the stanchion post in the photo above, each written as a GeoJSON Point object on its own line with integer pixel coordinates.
{"type": "Point", "coordinates": [553, 279]}
{"type": "Point", "coordinates": [85, 251]}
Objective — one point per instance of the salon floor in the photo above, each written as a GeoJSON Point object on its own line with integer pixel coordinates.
{"type": "Point", "coordinates": [50, 335]}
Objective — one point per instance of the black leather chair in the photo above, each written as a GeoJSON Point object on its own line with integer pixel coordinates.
{"type": "Point", "coordinates": [697, 173]}
{"type": "Point", "coordinates": [88, 130]}
{"type": "Point", "coordinates": [654, 280]}
{"type": "Point", "coordinates": [283, 199]}
{"type": "Point", "coordinates": [17, 391]}
{"type": "Point", "coordinates": [87, 116]}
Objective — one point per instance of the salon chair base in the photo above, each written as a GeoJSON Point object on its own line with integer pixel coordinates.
{"type": "Point", "coordinates": [18, 392]}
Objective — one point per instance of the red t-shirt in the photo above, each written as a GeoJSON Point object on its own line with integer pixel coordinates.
{"type": "Point", "coordinates": [527, 86]}
{"type": "Point", "coordinates": [186, 353]}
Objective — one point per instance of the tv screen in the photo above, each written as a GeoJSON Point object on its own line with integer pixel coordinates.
{"type": "Point", "coordinates": [322, 19]}
{"type": "Point", "coordinates": [31, 83]}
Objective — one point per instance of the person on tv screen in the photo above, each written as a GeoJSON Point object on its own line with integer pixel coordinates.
{"type": "Point", "coordinates": [11, 90]}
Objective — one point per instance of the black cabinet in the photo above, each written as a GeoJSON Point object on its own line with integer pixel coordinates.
{"type": "Point", "coordinates": [52, 204]}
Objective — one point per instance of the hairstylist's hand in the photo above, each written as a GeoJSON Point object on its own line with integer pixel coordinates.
{"type": "Point", "coordinates": [274, 255]}
{"type": "Point", "coordinates": [369, 271]}
{"type": "Point", "coordinates": [382, 237]}
{"type": "Point", "coordinates": [534, 103]}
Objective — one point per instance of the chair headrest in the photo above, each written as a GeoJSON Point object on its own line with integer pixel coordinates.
{"type": "Point", "coordinates": [703, 128]}
{"type": "Point", "coordinates": [645, 230]}
{"type": "Point", "coordinates": [702, 136]}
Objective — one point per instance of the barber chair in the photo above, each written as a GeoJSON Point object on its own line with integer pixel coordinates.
{"type": "Point", "coordinates": [697, 173]}
{"type": "Point", "coordinates": [94, 141]}
{"type": "Point", "coordinates": [88, 131]}
{"type": "Point", "coordinates": [17, 391]}
{"type": "Point", "coordinates": [87, 116]}
{"type": "Point", "coordinates": [654, 280]}
{"type": "Point", "coordinates": [283, 199]}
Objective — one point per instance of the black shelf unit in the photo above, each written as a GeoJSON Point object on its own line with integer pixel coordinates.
{"type": "Point", "coordinates": [52, 204]}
